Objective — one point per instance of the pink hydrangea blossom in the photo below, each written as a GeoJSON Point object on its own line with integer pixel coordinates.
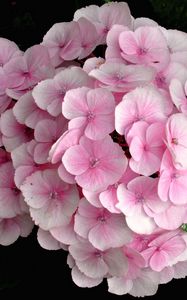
{"type": "Point", "coordinates": [98, 264]}
{"type": "Point", "coordinates": [162, 250]}
{"type": "Point", "coordinates": [52, 202]}
{"type": "Point", "coordinates": [95, 165]}
{"type": "Point", "coordinates": [176, 137]}
{"type": "Point", "coordinates": [122, 78]}
{"type": "Point", "coordinates": [49, 94]}
{"type": "Point", "coordinates": [8, 50]}
{"type": "Point", "coordinates": [25, 71]}
{"type": "Point", "coordinates": [178, 92]}
{"type": "Point", "coordinates": [142, 104]}
{"type": "Point", "coordinates": [103, 229]}
{"type": "Point", "coordinates": [172, 182]}
{"type": "Point", "coordinates": [91, 109]}
{"type": "Point", "coordinates": [93, 139]}
{"type": "Point", "coordinates": [139, 201]}
{"type": "Point", "coordinates": [12, 228]}
{"type": "Point", "coordinates": [146, 147]}
{"type": "Point", "coordinates": [27, 112]}
{"type": "Point", "coordinates": [145, 284]}
{"type": "Point", "coordinates": [63, 42]}
{"type": "Point", "coordinates": [11, 199]}
{"type": "Point", "coordinates": [105, 17]}
{"type": "Point", "coordinates": [141, 47]}
{"type": "Point", "coordinates": [23, 162]}
{"type": "Point", "coordinates": [46, 138]}
{"type": "Point", "coordinates": [13, 133]}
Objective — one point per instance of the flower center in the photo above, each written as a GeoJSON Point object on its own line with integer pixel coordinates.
{"type": "Point", "coordinates": [90, 116]}
{"type": "Point", "coordinates": [101, 219]}
{"type": "Point", "coordinates": [94, 162]}
{"type": "Point", "coordinates": [160, 80]}
{"type": "Point", "coordinates": [15, 191]}
{"type": "Point", "coordinates": [53, 195]}
{"type": "Point", "coordinates": [139, 197]}
{"type": "Point", "coordinates": [174, 141]}
{"type": "Point", "coordinates": [142, 51]}
{"type": "Point", "coordinates": [98, 254]}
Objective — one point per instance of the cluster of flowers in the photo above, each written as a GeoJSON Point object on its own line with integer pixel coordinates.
{"type": "Point", "coordinates": [94, 149]}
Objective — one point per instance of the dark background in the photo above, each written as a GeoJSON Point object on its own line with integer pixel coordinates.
{"type": "Point", "coordinates": [27, 270]}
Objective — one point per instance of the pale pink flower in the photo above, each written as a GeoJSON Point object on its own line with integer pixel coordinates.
{"type": "Point", "coordinates": [142, 104]}
{"type": "Point", "coordinates": [162, 250]}
{"type": "Point", "coordinates": [91, 109]}
{"type": "Point", "coordinates": [23, 162]}
{"type": "Point", "coordinates": [172, 217]}
{"type": "Point", "coordinates": [4, 99]}
{"type": "Point", "coordinates": [102, 228]}
{"type": "Point", "coordinates": [93, 63]}
{"type": "Point", "coordinates": [105, 17]}
{"type": "Point", "coordinates": [12, 228]}
{"type": "Point", "coordinates": [8, 51]}
{"type": "Point", "coordinates": [98, 264]}
{"type": "Point", "coordinates": [172, 182]}
{"type": "Point", "coordinates": [89, 37]}
{"type": "Point", "coordinates": [13, 133]}
{"type": "Point", "coordinates": [27, 112]}
{"type": "Point", "coordinates": [177, 45]}
{"type": "Point", "coordinates": [49, 94]}
{"type": "Point", "coordinates": [63, 42]}
{"type": "Point", "coordinates": [139, 201]}
{"type": "Point", "coordinates": [108, 198]}
{"type": "Point", "coordinates": [92, 197]}
{"type": "Point", "coordinates": [25, 71]}
{"type": "Point", "coordinates": [146, 147]}
{"type": "Point", "coordinates": [172, 71]}
{"type": "Point", "coordinates": [46, 138]}
{"type": "Point", "coordinates": [139, 22]}
{"type": "Point", "coordinates": [145, 284]}
{"type": "Point", "coordinates": [65, 234]}
{"type": "Point", "coordinates": [176, 138]}
{"type": "Point", "coordinates": [95, 164]}
{"type": "Point", "coordinates": [146, 45]}
{"type": "Point", "coordinates": [113, 50]}
{"type": "Point", "coordinates": [69, 138]}
{"type": "Point", "coordinates": [47, 241]}
{"type": "Point", "coordinates": [178, 92]}
{"type": "Point", "coordinates": [122, 78]}
{"type": "Point", "coordinates": [11, 199]}
{"type": "Point", "coordinates": [81, 280]}
{"type": "Point", "coordinates": [52, 202]}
